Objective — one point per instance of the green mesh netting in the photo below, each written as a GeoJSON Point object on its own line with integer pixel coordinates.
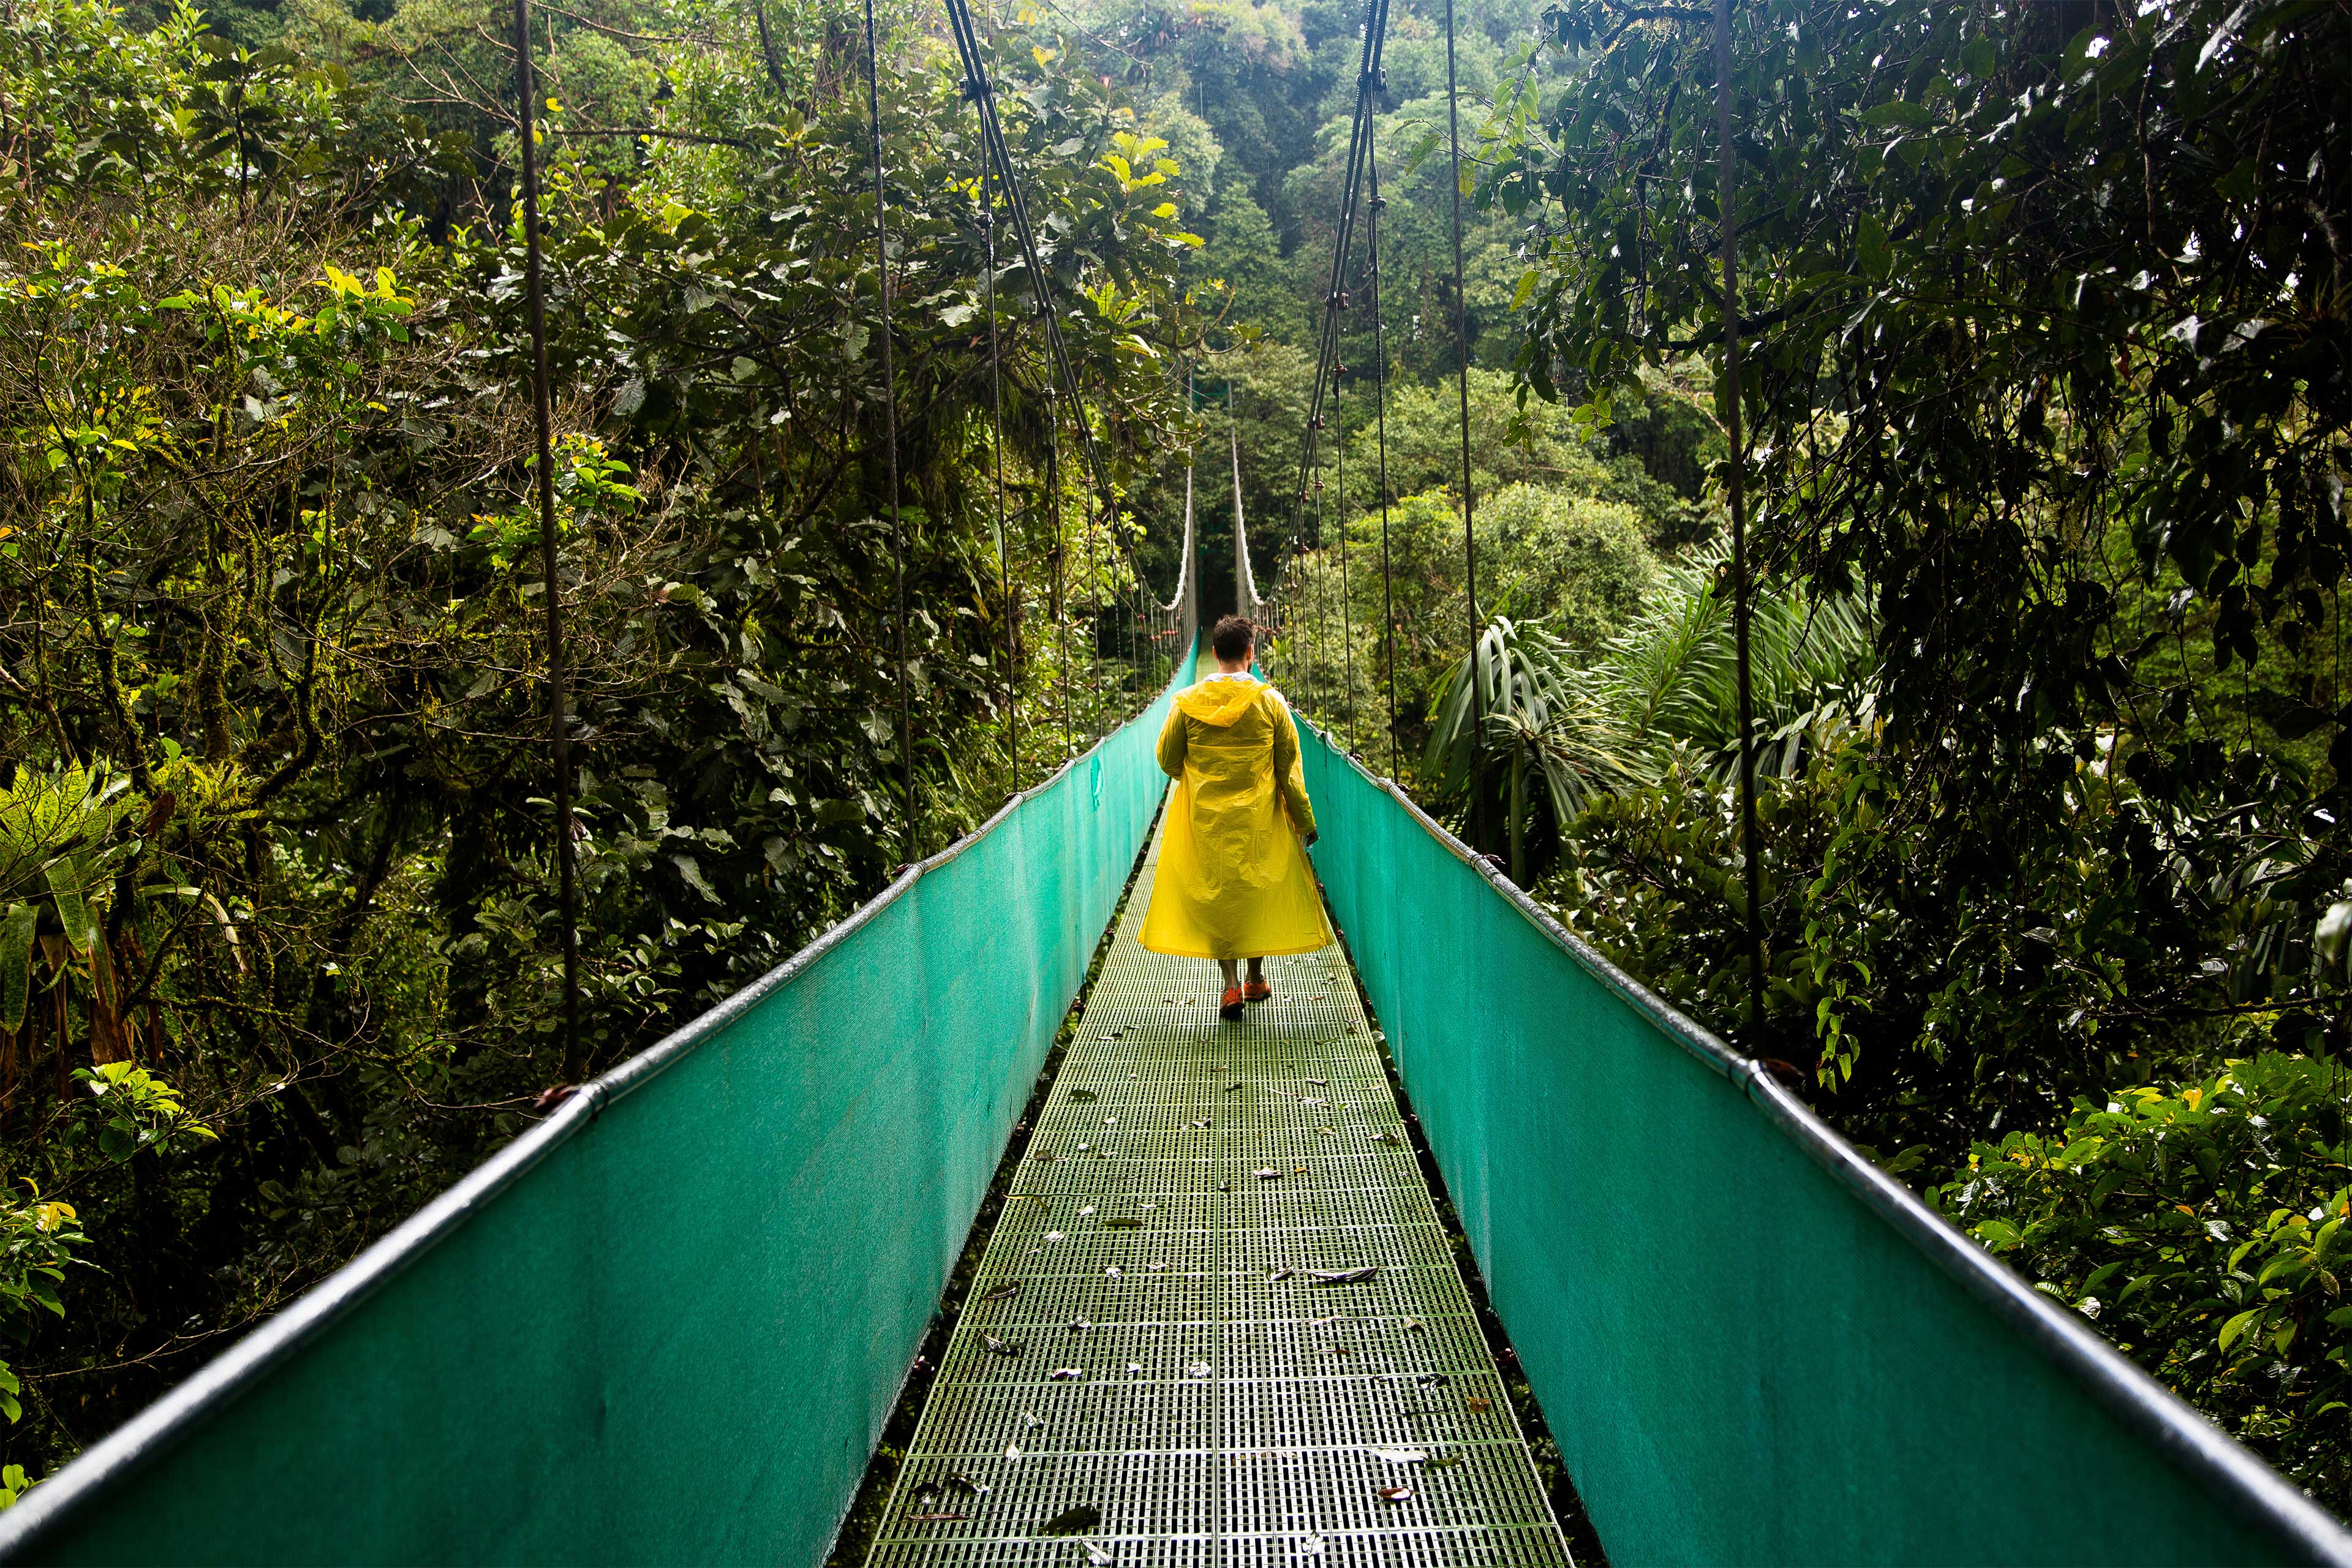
{"type": "Point", "coordinates": [1744, 1356]}
{"type": "Point", "coordinates": [676, 1336]}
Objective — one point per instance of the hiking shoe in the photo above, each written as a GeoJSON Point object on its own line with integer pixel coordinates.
{"type": "Point", "coordinates": [1231, 1006]}
{"type": "Point", "coordinates": [1257, 991]}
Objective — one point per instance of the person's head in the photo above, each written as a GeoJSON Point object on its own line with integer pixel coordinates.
{"type": "Point", "coordinates": [1232, 639]}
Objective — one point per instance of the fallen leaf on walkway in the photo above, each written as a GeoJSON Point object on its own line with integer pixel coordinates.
{"type": "Point", "coordinates": [1086, 1211]}
{"type": "Point", "coordinates": [1310, 1099]}
{"type": "Point", "coordinates": [1433, 1380]}
{"type": "Point", "coordinates": [1004, 1292]}
{"type": "Point", "coordinates": [1071, 1522]}
{"type": "Point", "coordinates": [1395, 1494]}
{"type": "Point", "coordinates": [1311, 1547]}
{"type": "Point", "coordinates": [1384, 1137]}
{"type": "Point", "coordinates": [1083, 1095]}
{"type": "Point", "coordinates": [1267, 1174]}
{"type": "Point", "coordinates": [1413, 1325]}
{"type": "Point", "coordinates": [1320, 1082]}
{"type": "Point", "coordinates": [1135, 1369]}
{"type": "Point", "coordinates": [939, 1518]}
{"type": "Point", "coordinates": [998, 1347]}
{"type": "Point", "coordinates": [1097, 1556]}
{"type": "Point", "coordinates": [1112, 1272]}
{"type": "Point", "coordinates": [1055, 1235]}
{"type": "Point", "coordinates": [1278, 1274]}
{"type": "Point", "coordinates": [1343, 1276]}
{"type": "Point", "coordinates": [1402, 1456]}
{"type": "Point", "coordinates": [1196, 1369]}
{"type": "Point", "coordinates": [1066, 1374]}
{"type": "Point", "coordinates": [1122, 1222]}
{"type": "Point", "coordinates": [1079, 1325]}
{"type": "Point", "coordinates": [965, 1484]}
{"type": "Point", "coordinates": [1474, 1403]}
{"type": "Point", "coordinates": [1012, 1450]}
{"type": "Point", "coordinates": [1446, 1463]}
{"type": "Point", "coordinates": [1231, 1087]}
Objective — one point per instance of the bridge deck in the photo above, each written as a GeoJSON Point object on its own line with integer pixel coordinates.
{"type": "Point", "coordinates": [1153, 1335]}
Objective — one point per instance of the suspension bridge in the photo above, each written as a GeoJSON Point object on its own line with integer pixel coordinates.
{"type": "Point", "coordinates": [1217, 1317]}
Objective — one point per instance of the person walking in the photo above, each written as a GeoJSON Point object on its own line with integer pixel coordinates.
{"type": "Point", "coordinates": [1234, 882]}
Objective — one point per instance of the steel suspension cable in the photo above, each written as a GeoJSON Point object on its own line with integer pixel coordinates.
{"type": "Point", "coordinates": [559, 708]}
{"type": "Point", "coordinates": [981, 92]}
{"type": "Point", "coordinates": [1381, 419]}
{"type": "Point", "coordinates": [1368, 81]}
{"type": "Point", "coordinates": [1462, 378]}
{"type": "Point", "coordinates": [906, 840]}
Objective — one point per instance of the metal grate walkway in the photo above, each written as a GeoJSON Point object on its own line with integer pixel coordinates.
{"type": "Point", "coordinates": [1218, 1323]}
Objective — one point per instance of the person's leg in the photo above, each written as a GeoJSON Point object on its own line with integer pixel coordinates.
{"type": "Point", "coordinates": [1257, 990]}
{"type": "Point", "coordinates": [1225, 967]}
{"type": "Point", "coordinates": [1229, 1006]}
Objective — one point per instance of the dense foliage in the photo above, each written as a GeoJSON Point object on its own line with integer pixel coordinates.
{"type": "Point", "coordinates": [279, 955]}
{"type": "Point", "coordinates": [2048, 361]}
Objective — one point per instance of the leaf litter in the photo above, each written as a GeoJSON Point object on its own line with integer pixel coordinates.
{"type": "Point", "coordinates": [1075, 1520]}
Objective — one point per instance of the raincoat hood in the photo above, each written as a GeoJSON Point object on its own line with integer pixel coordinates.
{"type": "Point", "coordinates": [1220, 700]}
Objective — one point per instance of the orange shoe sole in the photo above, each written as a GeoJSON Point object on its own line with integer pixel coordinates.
{"type": "Point", "coordinates": [1230, 1007]}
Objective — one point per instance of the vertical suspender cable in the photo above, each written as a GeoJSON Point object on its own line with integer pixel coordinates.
{"type": "Point", "coordinates": [1347, 621]}
{"type": "Point", "coordinates": [1095, 619]}
{"type": "Point", "coordinates": [907, 853]}
{"type": "Point", "coordinates": [1735, 484]}
{"type": "Point", "coordinates": [559, 718]}
{"type": "Point", "coordinates": [1061, 564]}
{"type": "Point", "coordinates": [1003, 550]}
{"type": "Point", "coordinates": [1381, 414]}
{"type": "Point", "coordinates": [1246, 603]}
{"type": "Point", "coordinates": [1461, 377]}
{"type": "Point", "coordinates": [1315, 595]}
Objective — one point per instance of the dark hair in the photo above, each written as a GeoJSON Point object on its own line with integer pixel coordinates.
{"type": "Point", "coordinates": [1232, 638]}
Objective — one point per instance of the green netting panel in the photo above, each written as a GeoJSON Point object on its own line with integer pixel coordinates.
{"type": "Point", "coordinates": [669, 1323]}
{"type": "Point", "coordinates": [1751, 1346]}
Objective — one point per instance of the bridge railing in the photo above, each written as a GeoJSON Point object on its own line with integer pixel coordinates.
{"type": "Point", "coordinates": [1750, 1343]}
{"type": "Point", "coordinates": [668, 1323]}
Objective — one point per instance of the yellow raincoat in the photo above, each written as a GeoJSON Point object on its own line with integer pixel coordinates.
{"type": "Point", "coordinates": [1234, 880]}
